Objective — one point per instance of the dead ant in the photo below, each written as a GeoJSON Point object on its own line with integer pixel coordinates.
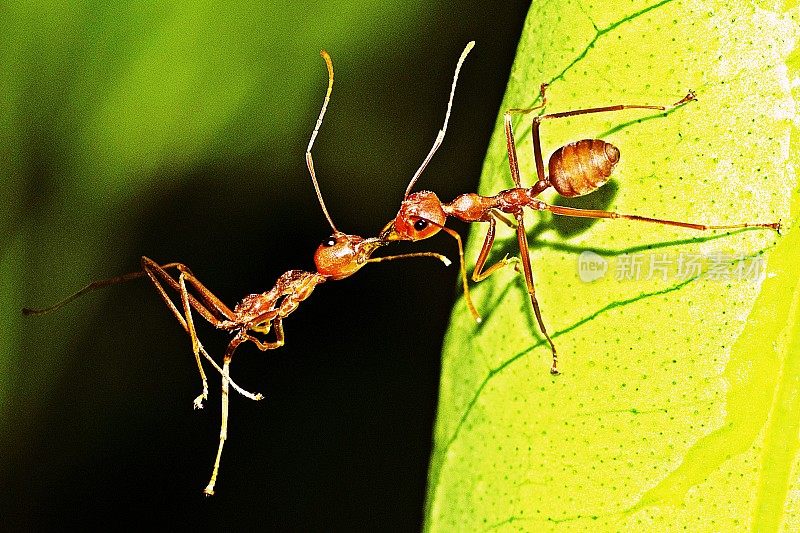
{"type": "Point", "coordinates": [339, 256]}
{"type": "Point", "coordinates": [575, 169]}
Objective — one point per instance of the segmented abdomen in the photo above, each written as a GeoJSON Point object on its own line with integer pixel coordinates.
{"type": "Point", "coordinates": [582, 167]}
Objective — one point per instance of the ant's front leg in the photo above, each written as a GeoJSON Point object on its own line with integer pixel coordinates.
{"type": "Point", "coordinates": [479, 274]}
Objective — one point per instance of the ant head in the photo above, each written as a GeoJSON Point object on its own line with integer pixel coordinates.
{"type": "Point", "coordinates": [341, 255]}
{"type": "Point", "coordinates": [420, 216]}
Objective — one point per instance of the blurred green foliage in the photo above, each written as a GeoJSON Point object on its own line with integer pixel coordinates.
{"type": "Point", "coordinates": [177, 130]}
{"type": "Point", "coordinates": [110, 104]}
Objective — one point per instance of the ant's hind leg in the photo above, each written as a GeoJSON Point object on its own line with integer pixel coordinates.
{"type": "Point", "coordinates": [205, 303]}
{"type": "Point", "coordinates": [208, 298]}
{"type": "Point", "coordinates": [595, 213]}
{"type": "Point", "coordinates": [154, 272]}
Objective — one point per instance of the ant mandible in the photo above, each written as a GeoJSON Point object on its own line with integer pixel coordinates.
{"type": "Point", "coordinates": [338, 257]}
{"type": "Point", "coordinates": [575, 169]}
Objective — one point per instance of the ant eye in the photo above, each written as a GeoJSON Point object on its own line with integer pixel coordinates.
{"type": "Point", "coordinates": [420, 225]}
{"type": "Point", "coordinates": [330, 241]}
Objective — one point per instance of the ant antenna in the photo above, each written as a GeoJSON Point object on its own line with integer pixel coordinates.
{"type": "Point", "coordinates": [440, 136]}
{"type": "Point", "coordinates": [309, 159]}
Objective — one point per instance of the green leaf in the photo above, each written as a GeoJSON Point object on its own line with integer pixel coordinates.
{"type": "Point", "coordinates": [678, 404]}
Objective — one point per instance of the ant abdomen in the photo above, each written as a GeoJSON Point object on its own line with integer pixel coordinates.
{"type": "Point", "coordinates": [581, 167]}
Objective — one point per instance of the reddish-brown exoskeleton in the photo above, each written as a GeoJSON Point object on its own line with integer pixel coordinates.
{"type": "Point", "coordinates": [576, 169]}
{"type": "Point", "coordinates": [338, 257]}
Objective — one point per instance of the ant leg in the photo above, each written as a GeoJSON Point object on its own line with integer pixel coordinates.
{"type": "Point", "coordinates": [151, 272]}
{"type": "Point", "coordinates": [187, 312]}
{"type": "Point", "coordinates": [223, 427]}
{"type": "Point", "coordinates": [513, 163]}
{"type": "Point", "coordinates": [522, 237]}
{"type": "Point", "coordinates": [210, 299]}
{"type": "Point", "coordinates": [154, 271]}
{"type": "Point", "coordinates": [690, 96]}
{"type": "Point", "coordinates": [471, 306]}
{"type": "Point", "coordinates": [454, 234]}
{"type": "Point", "coordinates": [479, 274]}
{"type": "Point", "coordinates": [93, 286]}
{"type": "Point", "coordinates": [504, 219]}
{"type": "Point", "coordinates": [594, 213]}
{"type": "Point", "coordinates": [512, 150]}
{"type": "Point", "coordinates": [525, 110]}
{"type": "Point", "coordinates": [158, 275]}
{"type": "Point", "coordinates": [440, 257]}
{"type": "Point", "coordinates": [526, 266]}
{"type": "Point", "coordinates": [249, 395]}
{"type": "Point", "coordinates": [537, 143]}
{"type": "Point", "coordinates": [277, 325]}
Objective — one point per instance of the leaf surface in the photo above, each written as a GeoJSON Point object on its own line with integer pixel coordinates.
{"type": "Point", "coordinates": [677, 408]}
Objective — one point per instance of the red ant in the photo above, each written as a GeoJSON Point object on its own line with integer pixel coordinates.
{"type": "Point", "coordinates": [575, 169]}
{"type": "Point", "coordinates": [339, 256]}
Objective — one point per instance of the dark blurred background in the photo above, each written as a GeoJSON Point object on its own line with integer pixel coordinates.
{"type": "Point", "coordinates": [178, 131]}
